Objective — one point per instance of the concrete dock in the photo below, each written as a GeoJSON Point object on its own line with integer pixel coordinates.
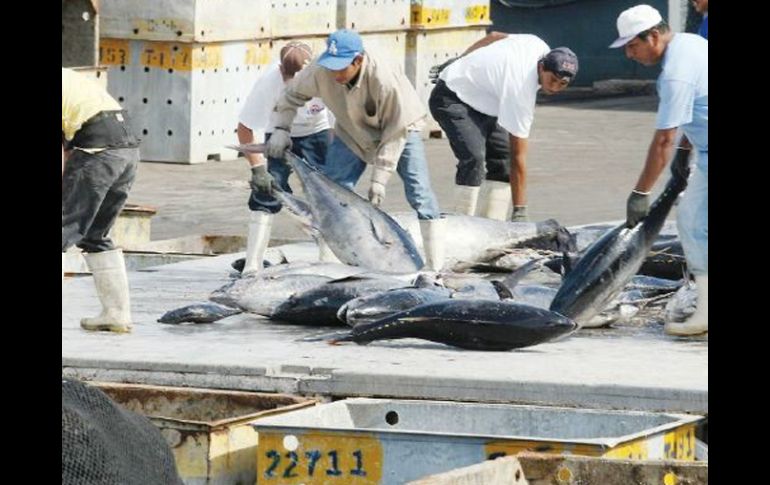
{"type": "Point", "coordinates": [584, 159]}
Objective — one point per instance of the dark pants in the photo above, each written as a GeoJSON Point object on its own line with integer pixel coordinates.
{"type": "Point", "coordinates": [94, 189]}
{"type": "Point", "coordinates": [481, 146]}
{"type": "Point", "coordinates": [312, 148]}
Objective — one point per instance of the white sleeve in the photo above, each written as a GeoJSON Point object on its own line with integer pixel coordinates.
{"type": "Point", "coordinates": [260, 102]}
{"type": "Point", "coordinates": [517, 110]}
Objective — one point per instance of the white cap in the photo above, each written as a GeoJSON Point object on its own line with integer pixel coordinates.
{"type": "Point", "coordinates": [634, 21]}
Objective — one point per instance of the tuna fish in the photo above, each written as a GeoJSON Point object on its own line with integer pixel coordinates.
{"type": "Point", "coordinates": [612, 261]}
{"type": "Point", "coordinates": [198, 313]}
{"type": "Point", "coordinates": [468, 324]}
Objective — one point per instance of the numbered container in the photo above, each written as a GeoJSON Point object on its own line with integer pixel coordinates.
{"type": "Point", "coordinates": [388, 47]}
{"type": "Point", "coordinates": [432, 14]}
{"type": "Point", "coordinates": [184, 98]}
{"type": "Point", "coordinates": [381, 441]}
{"type": "Point", "coordinates": [373, 15]}
{"type": "Point", "coordinates": [185, 20]}
{"type": "Point", "coordinates": [207, 429]}
{"type": "Point", "coordinates": [302, 17]}
{"type": "Point", "coordinates": [427, 48]}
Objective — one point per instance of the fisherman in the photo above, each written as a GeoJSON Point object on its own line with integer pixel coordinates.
{"type": "Point", "coordinates": [683, 92]}
{"type": "Point", "coordinates": [310, 136]}
{"type": "Point", "coordinates": [378, 121]}
{"type": "Point", "coordinates": [484, 100]}
{"type": "Point", "coordinates": [99, 159]}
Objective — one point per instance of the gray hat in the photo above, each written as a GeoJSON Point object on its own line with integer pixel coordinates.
{"type": "Point", "coordinates": [562, 62]}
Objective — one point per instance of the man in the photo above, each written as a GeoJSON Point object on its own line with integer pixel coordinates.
{"type": "Point", "coordinates": [702, 7]}
{"type": "Point", "coordinates": [310, 135]}
{"type": "Point", "coordinates": [683, 91]}
{"type": "Point", "coordinates": [378, 118]}
{"type": "Point", "coordinates": [99, 159]}
{"type": "Point", "coordinates": [484, 101]}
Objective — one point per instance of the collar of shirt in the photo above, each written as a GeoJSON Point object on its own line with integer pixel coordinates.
{"type": "Point", "coordinates": [357, 84]}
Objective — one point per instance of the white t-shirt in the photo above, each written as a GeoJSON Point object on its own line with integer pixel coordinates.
{"type": "Point", "coordinates": [258, 112]}
{"type": "Point", "coordinates": [501, 80]}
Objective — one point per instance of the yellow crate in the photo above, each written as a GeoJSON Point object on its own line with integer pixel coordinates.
{"type": "Point", "coordinates": [208, 430]}
{"type": "Point", "coordinates": [431, 14]}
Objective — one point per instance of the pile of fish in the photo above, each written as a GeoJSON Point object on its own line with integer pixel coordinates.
{"type": "Point", "coordinates": [540, 281]}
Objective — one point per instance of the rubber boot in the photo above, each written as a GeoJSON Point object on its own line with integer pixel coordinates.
{"type": "Point", "coordinates": [109, 271]}
{"type": "Point", "coordinates": [496, 200]}
{"type": "Point", "coordinates": [259, 235]}
{"type": "Point", "coordinates": [697, 323]}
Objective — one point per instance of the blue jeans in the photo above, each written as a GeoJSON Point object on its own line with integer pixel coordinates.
{"type": "Point", "coordinates": [693, 217]}
{"type": "Point", "coordinates": [312, 148]}
{"type": "Point", "coordinates": [344, 167]}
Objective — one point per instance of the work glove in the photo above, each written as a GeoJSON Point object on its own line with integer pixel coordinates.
{"type": "Point", "coordinates": [435, 71]}
{"type": "Point", "coordinates": [279, 142]}
{"type": "Point", "coordinates": [380, 178]}
{"type": "Point", "coordinates": [261, 180]}
{"type": "Point", "coordinates": [637, 207]}
{"type": "Point", "coordinates": [519, 214]}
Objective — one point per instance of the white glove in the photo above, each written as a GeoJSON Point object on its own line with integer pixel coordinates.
{"type": "Point", "coordinates": [279, 142]}
{"type": "Point", "coordinates": [376, 194]}
{"type": "Point", "coordinates": [380, 178]}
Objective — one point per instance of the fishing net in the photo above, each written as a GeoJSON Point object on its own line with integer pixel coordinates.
{"type": "Point", "coordinates": [103, 443]}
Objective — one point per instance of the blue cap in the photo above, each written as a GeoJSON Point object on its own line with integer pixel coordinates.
{"type": "Point", "coordinates": [342, 47]}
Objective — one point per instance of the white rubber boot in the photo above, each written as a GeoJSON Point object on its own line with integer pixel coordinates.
{"type": "Point", "coordinates": [697, 323]}
{"type": "Point", "coordinates": [465, 198]}
{"type": "Point", "coordinates": [496, 199]}
{"type": "Point", "coordinates": [433, 240]}
{"type": "Point", "coordinates": [325, 253]}
{"type": "Point", "coordinates": [259, 235]}
{"type": "Point", "coordinates": [109, 270]}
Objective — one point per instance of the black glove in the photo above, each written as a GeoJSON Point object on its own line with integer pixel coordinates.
{"type": "Point", "coordinates": [261, 180]}
{"type": "Point", "coordinates": [436, 70]}
{"type": "Point", "coordinates": [637, 207]}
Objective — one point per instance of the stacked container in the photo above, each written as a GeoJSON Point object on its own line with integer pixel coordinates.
{"type": "Point", "coordinates": [183, 68]}
{"type": "Point", "coordinates": [440, 30]}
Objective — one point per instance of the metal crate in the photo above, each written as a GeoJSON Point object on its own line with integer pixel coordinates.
{"type": "Point", "coordinates": [388, 47]}
{"type": "Point", "coordinates": [184, 98]}
{"type": "Point", "coordinates": [427, 48]}
{"type": "Point", "coordinates": [430, 14]}
{"type": "Point", "coordinates": [373, 15]}
{"type": "Point", "coordinates": [302, 17]}
{"type": "Point", "coordinates": [185, 20]}
{"type": "Point", "coordinates": [208, 430]}
{"type": "Point", "coordinates": [372, 441]}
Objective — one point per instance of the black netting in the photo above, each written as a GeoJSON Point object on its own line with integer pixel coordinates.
{"type": "Point", "coordinates": [103, 443]}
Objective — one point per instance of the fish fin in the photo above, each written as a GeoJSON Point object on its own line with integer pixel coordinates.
{"type": "Point", "coordinates": [503, 292]}
{"type": "Point", "coordinates": [379, 234]}
{"type": "Point", "coordinates": [566, 264]}
{"type": "Point", "coordinates": [513, 279]}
